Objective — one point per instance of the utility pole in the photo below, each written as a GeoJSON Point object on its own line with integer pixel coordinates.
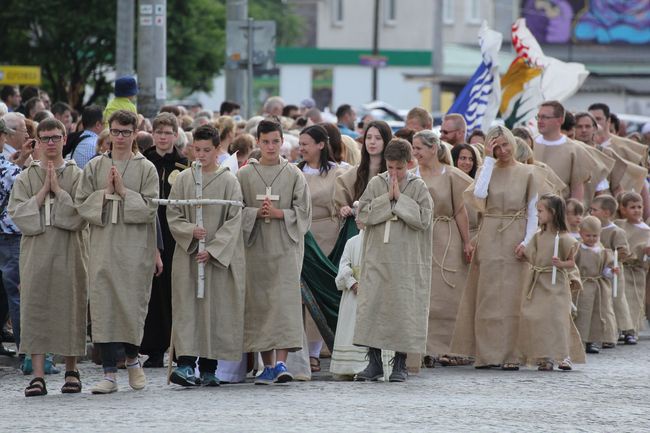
{"type": "Point", "coordinates": [437, 58]}
{"type": "Point", "coordinates": [236, 79]}
{"type": "Point", "coordinates": [375, 49]}
{"type": "Point", "coordinates": [152, 56]}
{"type": "Point", "coordinates": [124, 37]}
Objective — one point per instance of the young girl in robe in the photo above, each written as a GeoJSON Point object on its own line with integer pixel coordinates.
{"type": "Point", "coordinates": [546, 331]}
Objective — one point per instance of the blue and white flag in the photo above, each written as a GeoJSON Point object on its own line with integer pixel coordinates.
{"type": "Point", "coordinates": [479, 100]}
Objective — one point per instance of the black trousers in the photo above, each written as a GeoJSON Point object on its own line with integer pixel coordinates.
{"type": "Point", "coordinates": [109, 353]}
{"type": "Point", "coordinates": [206, 365]}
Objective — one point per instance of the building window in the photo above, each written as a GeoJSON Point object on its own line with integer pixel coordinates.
{"type": "Point", "coordinates": [337, 12]}
{"type": "Point", "coordinates": [448, 11]}
{"type": "Point", "coordinates": [390, 12]}
{"type": "Point", "coordinates": [473, 11]}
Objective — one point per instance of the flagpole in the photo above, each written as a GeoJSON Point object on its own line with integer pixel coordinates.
{"type": "Point", "coordinates": [437, 57]}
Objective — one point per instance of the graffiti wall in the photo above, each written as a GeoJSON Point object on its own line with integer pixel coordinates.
{"type": "Point", "coordinates": [588, 21]}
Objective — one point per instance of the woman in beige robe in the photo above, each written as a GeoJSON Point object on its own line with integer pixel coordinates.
{"type": "Point", "coordinates": [452, 249]}
{"type": "Point", "coordinates": [505, 191]}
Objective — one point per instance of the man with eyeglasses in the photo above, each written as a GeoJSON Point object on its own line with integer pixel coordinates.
{"type": "Point", "coordinates": [18, 147]}
{"type": "Point", "coordinates": [115, 196]}
{"type": "Point", "coordinates": [53, 286]}
{"type": "Point", "coordinates": [169, 162]}
{"type": "Point", "coordinates": [569, 161]}
{"type": "Point", "coordinates": [453, 129]}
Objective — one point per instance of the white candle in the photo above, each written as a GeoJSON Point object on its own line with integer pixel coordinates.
{"type": "Point", "coordinates": [615, 284]}
{"type": "Point", "coordinates": [555, 253]}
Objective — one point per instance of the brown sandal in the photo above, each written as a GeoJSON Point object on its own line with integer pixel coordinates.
{"type": "Point", "coordinates": [314, 363]}
{"type": "Point", "coordinates": [71, 387]}
{"type": "Point", "coordinates": [545, 366]}
{"type": "Point", "coordinates": [36, 388]}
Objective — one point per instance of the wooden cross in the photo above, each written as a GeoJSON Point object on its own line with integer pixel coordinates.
{"type": "Point", "coordinates": [387, 229]}
{"type": "Point", "coordinates": [269, 196]}
{"type": "Point", "coordinates": [49, 201]}
{"type": "Point", "coordinates": [115, 198]}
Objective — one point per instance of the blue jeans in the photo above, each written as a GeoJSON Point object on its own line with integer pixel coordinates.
{"type": "Point", "coordinates": [9, 257]}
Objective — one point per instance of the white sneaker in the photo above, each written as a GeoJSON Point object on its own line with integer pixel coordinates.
{"type": "Point", "coordinates": [104, 386]}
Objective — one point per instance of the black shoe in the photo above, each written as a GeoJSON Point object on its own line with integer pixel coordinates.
{"type": "Point", "coordinates": [375, 368]}
{"type": "Point", "coordinates": [7, 337]}
{"type": "Point", "coordinates": [400, 372]}
{"type": "Point", "coordinates": [591, 348]}
{"type": "Point", "coordinates": [7, 352]}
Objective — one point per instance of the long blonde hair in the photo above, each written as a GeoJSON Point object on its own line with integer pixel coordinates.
{"type": "Point", "coordinates": [502, 131]}
{"type": "Point", "coordinates": [431, 140]}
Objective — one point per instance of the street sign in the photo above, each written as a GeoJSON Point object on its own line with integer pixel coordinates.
{"type": "Point", "coordinates": [23, 75]}
{"type": "Point", "coordinates": [374, 61]}
{"type": "Point", "coordinates": [263, 44]}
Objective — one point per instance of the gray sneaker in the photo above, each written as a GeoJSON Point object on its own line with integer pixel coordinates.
{"type": "Point", "coordinates": [400, 372]}
{"type": "Point", "coordinates": [375, 368]}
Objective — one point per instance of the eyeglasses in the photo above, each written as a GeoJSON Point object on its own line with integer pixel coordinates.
{"type": "Point", "coordinates": [447, 131]}
{"type": "Point", "coordinates": [167, 133]}
{"type": "Point", "coordinates": [541, 117]}
{"type": "Point", "coordinates": [56, 139]}
{"type": "Point", "coordinates": [123, 132]}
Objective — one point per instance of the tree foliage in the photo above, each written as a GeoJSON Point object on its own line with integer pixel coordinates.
{"type": "Point", "coordinates": [74, 42]}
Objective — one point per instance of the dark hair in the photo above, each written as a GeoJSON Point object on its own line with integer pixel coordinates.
{"type": "Point", "coordinates": [398, 149]}
{"type": "Point", "coordinates": [207, 132]}
{"type": "Point", "coordinates": [29, 92]}
{"type": "Point", "coordinates": [41, 115]}
{"type": "Point", "coordinates": [405, 133]}
{"type": "Point", "coordinates": [91, 115]}
{"type": "Point", "coordinates": [577, 205]}
{"type": "Point", "coordinates": [363, 171]}
{"type": "Point", "coordinates": [49, 125]}
{"type": "Point", "coordinates": [267, 126]}
{"type": "Point", "coordinates": [228, 107]}
{"type": "Point", "coordinates": [59, 107]}
{"type": "Point", "coordinates": [144, 140]}
{"type": "Point", "coordinates": [335, 143]}
{"type": "Point", "coordinates": [475, 133]}
{"type": "Point", "coordinates": [600, 106]}
{"type": "Point", "coordinates": [319, 134]}
{"type": "Point", "coordinates": [582, 114]}
{"type": "Point", "coordinates": [455, 154]}
{"type": "Point", "coordinates": [343, 110]}
{"type": "Point", "coordinates": [288, 109]}
{"type": "Point", "coordinates": [124, 118]}
{"type": "Point", "coordinates": [615, 121]}
{"type": "Point", "coordinates": [569, 121]}
{"type": "Point", "coordinates": [244, 143]}
{"type": "Point", "coordinates": [7, 92]}
{"type": "Point", "coordinates": [555, 204]}
{"type": "Point", "coordinates": [31, 102]}
{"type": "Point", "coordinates": [173, 109]}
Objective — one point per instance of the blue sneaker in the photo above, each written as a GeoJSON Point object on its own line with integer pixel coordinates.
{"type": "Point", "coordinates": [184, 376]}
{"type": "Point", "coordinates": [26, 366]}
{"type": "Point", "coordinates": [282, 375]}
{"type": "Point", "coordinates": [209, 379]}
{"type": "Point", "coordinates": [267, 377]}
{"type": "Point", "coordinates": [50, 368]}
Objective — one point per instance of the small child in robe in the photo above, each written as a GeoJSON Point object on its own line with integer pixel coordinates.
{"type": "Point", "coordinates": [547, 333]}
{"type": "Point", "coordinates": [636, 264]}
{"type": "Point", "coordinates": [596, 321]}
{"type": "Point", "coordinates": [574, 212]}
{"type": "Point", "coordinates": [395, 283]}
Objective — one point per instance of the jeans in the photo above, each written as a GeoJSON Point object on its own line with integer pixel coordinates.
{"type": "Point", "coordinates": [9, 256]}
{"type": "Point", "coordinates": [109, 351]}
{"type": "Point", "coordinates": [206, 365]}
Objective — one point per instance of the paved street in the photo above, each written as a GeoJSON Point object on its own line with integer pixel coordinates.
{"type": "Point", "coordinates": [610, 394]}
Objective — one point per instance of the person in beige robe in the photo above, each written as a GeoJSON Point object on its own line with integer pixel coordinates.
{"type": "Point", "coordinates": [547, 334]}
{"type": "Point", "coordinates": [53, 272]}
{"type": "Point", "coordinates": [274, 222]}
{"type": "Point", "coordinates": [505, 191]}
{"type": "Point", "coordinates": [115, 196]}
{"type": "Point", "coordinates": [636, 265]}
{"type": "Point", "coordinates": [395, 283]}
{"type": "Point", "coordinates": [613, 238]}
{"type": "Point", "coordinates": [595, 320]}
{"type": "Point", "coordinates": [451, 245]}
{"type": "Point", "coordinates": [210, 328]}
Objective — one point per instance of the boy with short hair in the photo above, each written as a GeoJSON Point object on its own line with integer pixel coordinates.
{"type": "Point", "coordinates": [613, 238]}
{"type": "Point", "coordinates": [395, 282]}
{"type": "Point", "coordinates": [596, 321]}
{"type": "Point", "coordinates": [636, 265]}
{"type": "Point", "coordinates": [52, 259]}
{"type": "Point", "coordinates": [274, 222]}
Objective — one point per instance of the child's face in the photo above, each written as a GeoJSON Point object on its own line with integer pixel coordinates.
{"type": "Point", "coordinates": [544, 215]}
{"type": "Point", "coordinates": [589, 238]}
{"type": "Point", "coordinates": [596, 210]}
{"type": "Point", "coordinates": [633, 211]}
{"type": "Point", "coordinates": [397, 169]}
{"type": "Point", "coordinates": [572, 217]}
{"type": "Point", "coordinates": [270, 144]}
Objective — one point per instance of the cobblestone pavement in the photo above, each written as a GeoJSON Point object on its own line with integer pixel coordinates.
{"type": "Point", "coordinates": [611, 393]}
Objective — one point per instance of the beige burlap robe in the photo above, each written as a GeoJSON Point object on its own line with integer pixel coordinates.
{"type": "Point", "coordinates": [613, 238]}
{"type": "Point", "coordinates": [636, 269]}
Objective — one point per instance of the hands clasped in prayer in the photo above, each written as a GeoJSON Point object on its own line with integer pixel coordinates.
{"type": "Point", "coordinates": [50, 184]}
{"type": "Point", "coordinates": [115, 184]}
{"type": "Point", "coordinates": [269, 211]}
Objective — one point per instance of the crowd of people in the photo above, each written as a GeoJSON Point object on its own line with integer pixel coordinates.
{"type": "Point", "coordinates": [504, 249]}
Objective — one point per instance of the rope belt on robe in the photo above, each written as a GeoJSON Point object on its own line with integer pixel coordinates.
{"type": "Point", "coordinates": [520, 214]}
{"type": "Point", "coordinates": [537, 271]}
{"type": "Point", "coordinates": [603, 322]}
{"type": "Point", "coordinates": [448, 220]}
